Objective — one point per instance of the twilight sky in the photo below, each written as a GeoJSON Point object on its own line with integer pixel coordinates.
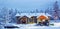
{"type": "Point", "coordinates": [27, 4]}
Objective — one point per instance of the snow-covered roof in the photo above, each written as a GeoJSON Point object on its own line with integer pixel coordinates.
{"type": "Point", "coordinates": [32, 14]}
{"type": "Point", "coordinates": [17, 14]}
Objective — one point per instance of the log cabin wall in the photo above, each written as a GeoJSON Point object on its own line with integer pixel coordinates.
{"type": "Point", "coordinates": [31, 20]}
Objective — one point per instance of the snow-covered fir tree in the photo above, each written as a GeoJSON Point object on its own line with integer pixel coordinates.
{"type": "Point", "coordinates": [56, 10]}
{"type": "Point", "coordinates": [5, 14]}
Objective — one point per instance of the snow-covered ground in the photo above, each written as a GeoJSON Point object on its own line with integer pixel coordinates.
{"type": "Point", "coordinates": [32, 26]}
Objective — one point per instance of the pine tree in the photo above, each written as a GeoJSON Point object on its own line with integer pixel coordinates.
{"type": "Point", "coordinates": [12, 14]}
{"type": "Point", "coordinates": [5, 14]}
{"type": "Point", "coordinates": [56, 10]}
{"type": "Point", "coordinates": [37, 11]}
{"type": "Point", "coordinates": [47, 10]}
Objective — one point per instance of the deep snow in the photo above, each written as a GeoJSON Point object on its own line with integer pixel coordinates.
{"type": "Point", "coordinates": [32, 26]}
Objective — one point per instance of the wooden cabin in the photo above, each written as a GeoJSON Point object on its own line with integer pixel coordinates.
{"type": "Point", "coordinates": [42, 18]}
{"type": "Point", "coordinates": [24, 20]}
{"type": "Point", "coordinates": [33, 19]}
